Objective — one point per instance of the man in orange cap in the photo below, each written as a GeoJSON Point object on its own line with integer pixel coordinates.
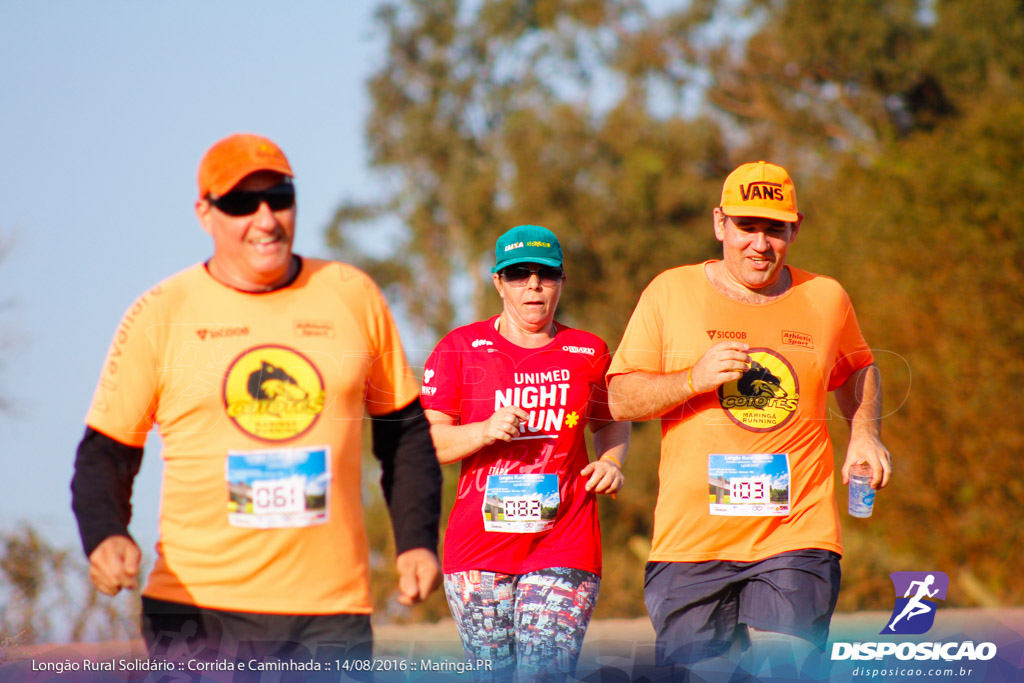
{"type": "Point", "coordinates": [737, 356]}
{"type": "Point", "coordinates": [256, 367]}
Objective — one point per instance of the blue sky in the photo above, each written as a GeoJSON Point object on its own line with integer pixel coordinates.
{"type": "Point", "coordinates": [107, 106]}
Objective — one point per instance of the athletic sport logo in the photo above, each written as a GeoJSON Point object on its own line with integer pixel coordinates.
{"type": "Point", "coordinates": [914, 613]}
{"type": "Point", "coordinates": [766, 396]}
{"type": "Point", "coordinates": [273, 393]}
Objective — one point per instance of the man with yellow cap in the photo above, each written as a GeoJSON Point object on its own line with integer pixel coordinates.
{"type": "Point", "coordinates": [737, 357]}
{"type": "Point", "coordinates": [256, 367]}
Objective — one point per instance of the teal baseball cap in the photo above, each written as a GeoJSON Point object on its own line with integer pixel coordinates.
{"type": "Point", "coordinates": [527, 244]}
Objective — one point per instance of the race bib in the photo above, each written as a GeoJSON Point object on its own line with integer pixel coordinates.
{"type": "Point", "coordinates": [277, 488]}
{"type": "Point", "coordinates": [521, 503]}
{"type": "Point", "coordinates": [749, 485]}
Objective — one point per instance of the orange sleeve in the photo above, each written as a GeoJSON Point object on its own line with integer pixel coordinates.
{"type": "Point", "coordinates": [853, 352]}
{"type": "Point", "coordinates": [124, 403]}
{"type": "Point", "coordinates": [642, 342]}
{"type": "Point", "coordinates": [390, 385]}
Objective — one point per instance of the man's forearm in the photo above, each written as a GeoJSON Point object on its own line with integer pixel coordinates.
{"type": "Point", "coordinates": [646, 395]}
{"type": "Point", "coordinates": [101, 488]}
{"type": "Point", "coordinates": [410, 476]}
{"type": "Point", "coordinates": [860, 400]}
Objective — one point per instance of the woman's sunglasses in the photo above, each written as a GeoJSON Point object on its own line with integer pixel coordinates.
{"type": "Point", "coordinates": [519, 276]}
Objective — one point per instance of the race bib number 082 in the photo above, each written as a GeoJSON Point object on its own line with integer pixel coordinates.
{"type": "Point", "coordinates": [523, 509]}
{"type": "Point", "coordinates": [521, 503]}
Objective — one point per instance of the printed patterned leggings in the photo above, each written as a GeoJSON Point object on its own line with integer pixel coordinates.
{"type": "Point", "coordinates": [526, 624]}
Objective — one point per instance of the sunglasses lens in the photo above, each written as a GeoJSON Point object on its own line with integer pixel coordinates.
{"type": "Point", "coordinates": [280, 197]}
{"type": "Point", "coordinates": [243, 203]}
{"type": "Point", "coordinates": [237, 203]}
{"type": "Point", "coordinates": [549, 276]}
{"type": "Point", "coordinates": [519, 276]}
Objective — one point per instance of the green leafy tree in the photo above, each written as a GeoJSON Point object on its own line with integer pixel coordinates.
{"type": "Point", "coordinates": [938, 241]}
{"type": "Point", "coordinates": [487, 115]}
{"type": "Point", "coordinates": [45, 595]}
{"type": "Point", "coordinates": [493, 114]}
{"type": "Point", "coordinates": [901, 120]}
{"type": "Point", "coordinates": [614, 127]}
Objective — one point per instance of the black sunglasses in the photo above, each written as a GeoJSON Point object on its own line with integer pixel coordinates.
{"type": "Point", "coordinates": [519, 276]}
{"type": "Point", "coordinates": [245, 203]}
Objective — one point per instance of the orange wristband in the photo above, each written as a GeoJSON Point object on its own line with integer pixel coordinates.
{"type": "Point", "coordinates": [689, 380]}
{"type": "Point", "coordinates": [613, 459]}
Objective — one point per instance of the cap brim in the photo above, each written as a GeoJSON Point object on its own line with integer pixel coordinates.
{"type": "Point", "coordinates": [761, 212]}
{"type": "Point", "coordinates": [534, 259]}
{"type": "Point", "coordinates": [221, 188]}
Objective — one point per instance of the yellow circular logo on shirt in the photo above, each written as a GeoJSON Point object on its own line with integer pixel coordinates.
{"type": "Point", "coordinates": [766, 396]}
{"type": "Point", "coordinates": [273, 393]}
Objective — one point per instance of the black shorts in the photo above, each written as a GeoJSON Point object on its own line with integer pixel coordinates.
{"type": "Point", "coordinates": [174, 630]}
{"type": "Point", "coordinates": [699, 609]}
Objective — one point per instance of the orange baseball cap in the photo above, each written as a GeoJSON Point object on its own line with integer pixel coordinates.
{"type": "Point", "coordinates": [236, 156]}
{"type": "Point", "coordinates": [760, 189]}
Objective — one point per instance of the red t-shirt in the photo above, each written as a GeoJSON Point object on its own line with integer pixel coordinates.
{"type": "Point", "coordinates": [521, 505]}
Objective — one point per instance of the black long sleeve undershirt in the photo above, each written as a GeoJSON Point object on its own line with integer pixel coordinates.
{"type": "Point", "coordinates": [101, 488]}
{"type": "Point", "coordinates": [411, 477]}
{"type": "Point", "coordinates": [105, 470]}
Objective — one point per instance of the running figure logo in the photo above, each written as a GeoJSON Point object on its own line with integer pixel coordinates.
{"type": "Point", "coordinates": [914, 613]}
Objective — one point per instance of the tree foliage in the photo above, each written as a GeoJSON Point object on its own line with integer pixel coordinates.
{"type": "Point", "coordinates": [939, 239]}
{"type": "Point", "coordinates": [533, 112]}
{"type": "Point", "coordinates": [614, 126]}
{"type": "Point", "coordinates": [45, 595]}
{"type": "Point", "coordinates": [903, 126]}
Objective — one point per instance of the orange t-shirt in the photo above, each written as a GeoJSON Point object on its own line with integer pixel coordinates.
{"type": "Point", "coordinates": [259, 401]}
{"type": "Point", "coordinates": [746, 472]}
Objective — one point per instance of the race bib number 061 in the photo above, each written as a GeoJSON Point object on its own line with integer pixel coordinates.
{"type": "Point", "coordinates": [282, 496]}
{"type": "Point", "coordinates": [278, 488]}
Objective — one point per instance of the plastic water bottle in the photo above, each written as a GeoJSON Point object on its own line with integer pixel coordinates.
{"type": "Point", "coordinates": [862, 496]}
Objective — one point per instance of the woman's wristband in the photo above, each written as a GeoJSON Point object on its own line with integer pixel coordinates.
{"type": "Point", "coordinates": [613, 459]}
{"type": "Point", "coordinates": [689, 380]}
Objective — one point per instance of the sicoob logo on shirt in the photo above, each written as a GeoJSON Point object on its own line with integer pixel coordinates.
{"type": "Point", "coordinates": [766, 396]}
{"type": "Point", "coordinates": [273, 393]}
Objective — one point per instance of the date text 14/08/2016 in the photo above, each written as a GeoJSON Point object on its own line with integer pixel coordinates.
{"type": "Point", "coordinates": [459, 667]}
